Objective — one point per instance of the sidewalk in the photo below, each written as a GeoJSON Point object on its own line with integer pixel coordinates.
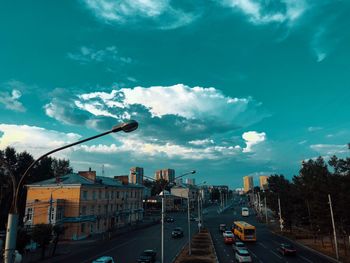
{"type": "Point", "coordinates": [68, 247]}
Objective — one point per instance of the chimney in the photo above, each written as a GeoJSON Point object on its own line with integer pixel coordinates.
{"type": "Point", "coordinates": [124, 179]}
{"type": "Point", "coordinates": [91, 175]}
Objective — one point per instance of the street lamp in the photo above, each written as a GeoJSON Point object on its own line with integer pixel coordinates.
{"type": "Point", "coordinates": [200, 210]}
{"type": "Point", "coordinates": [12, 221]}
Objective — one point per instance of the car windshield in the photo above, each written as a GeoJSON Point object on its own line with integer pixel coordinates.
{"type": "Point", "coordinates": [287, 246]}
{"type": "Point", "coordinates": [240, 244]}
{"type": "Point", "coordinates": [249, 231]}
{"type": "Point", "coordinates": [243, 252]}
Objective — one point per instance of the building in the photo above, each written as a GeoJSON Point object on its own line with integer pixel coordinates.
{"type": "Point", "coordinates": [263, 182]}
{"type": "Point", "coordinates": [190, 181]}
{"type": "Point", "coordinates": [166, 174]}
{"type": "Point", "coordinates": [248, 183]}
{"type": "Point", "coordinates": [83, 204]}
{"type": "Point", "coordinates": [136, 175]}
{"type": "Point", "coordinates": [186, 191]}
{"type": "Point", "coordinates": [124, 179]}
{"type": "Point", "coordinates": [178, 181]}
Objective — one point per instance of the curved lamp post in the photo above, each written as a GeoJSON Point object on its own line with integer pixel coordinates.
{"type": "Point", "coordinates": [12, 221]}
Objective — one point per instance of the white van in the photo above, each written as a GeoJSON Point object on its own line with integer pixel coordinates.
{"type": "Point", "coordinates": [245, 211]}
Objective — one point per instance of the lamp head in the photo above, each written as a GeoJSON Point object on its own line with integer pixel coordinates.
{"type": "Point", "coordinates": [128, 126]}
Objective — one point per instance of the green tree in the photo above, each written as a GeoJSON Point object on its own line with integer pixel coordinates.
{"type": "Point", "coordinates": [42, 234]}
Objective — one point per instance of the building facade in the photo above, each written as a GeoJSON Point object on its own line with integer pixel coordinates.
{"type": "Point", "coordinates": [166, 174]}
{"type": "Point", "coordinates": [188, 192]}
{"type": "Point", "coordinates": [248, 183]}
{"type": "Point", "coordinates": [136, 175]}
{"type": "Point", "coordinates": [263, 182]}
{"type": "Point", "coordinates": [190, 181]}
{"type": "Point", "coordinates": [83, 204]}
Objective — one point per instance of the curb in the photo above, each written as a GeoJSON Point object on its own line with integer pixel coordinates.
{"type": "Point", "coordinates": [212, 244]}
{"type": "Point", "coordinates": [180, 251]}
{"type": "Point", "coordinates": [308, 248]}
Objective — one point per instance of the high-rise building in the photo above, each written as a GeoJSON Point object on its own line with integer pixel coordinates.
{"type": "Point", "coordinates": [248, 183]}
{"type": "Point", "coordinates": [263, 182]}
{"type": "Point", "coordinates": [166, 174]}
{"type": "Point", "coordinates": [190, 181]}
{"type": "Point", "coordinates": [136, 175]}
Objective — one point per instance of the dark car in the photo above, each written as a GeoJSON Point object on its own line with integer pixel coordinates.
{"type": "Point", "coordinates": [287, 249]}
{"type": "Point", "coordinates": [169, 219]}
{"type": "Point", "coordinates": [147, 256]}
{"type": "Point", "coordinates": [177, 232]}
{"type": "Point", "coordinates": [222, 227]}
{"type": "Point", "coordinates": [192, 218]}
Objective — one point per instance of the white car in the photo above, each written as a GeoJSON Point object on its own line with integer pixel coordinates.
{"type": "Point", "coordinates": [104, 259]}
{"type": "Point", "coordinates": [242, 255]}
{"type": "Point", "coordinates": [238, 245]}
{"type": "Point", "coordinates": [227, 233]}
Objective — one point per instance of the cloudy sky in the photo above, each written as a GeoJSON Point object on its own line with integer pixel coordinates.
{"type": "Point", "coordinates": [226, 87]}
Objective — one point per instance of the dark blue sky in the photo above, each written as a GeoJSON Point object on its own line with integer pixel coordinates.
{"type": "Point", "coordinates": [229, 88]}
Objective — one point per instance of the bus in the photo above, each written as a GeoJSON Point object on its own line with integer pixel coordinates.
{"type": "Point", "coordinates": [245, 211]}
{"type": "Point", "coordinates": [244, 231]}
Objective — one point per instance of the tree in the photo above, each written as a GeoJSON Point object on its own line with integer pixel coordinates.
{"type": "Point", "coordinates": [61, 167]}
{"type": "Point", "coordinates": [42, 234]}
{"type": "Point", "coordinates": [58, 230]}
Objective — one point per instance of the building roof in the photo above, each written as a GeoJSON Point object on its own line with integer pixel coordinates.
{"type": "Point", "coordinates": [76, 179]}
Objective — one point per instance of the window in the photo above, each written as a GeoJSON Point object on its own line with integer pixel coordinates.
{"type": "Point", "coordinates": [85, 195]}
{"type": "Point", "coordinates": [29, 214]}
{"type": "Point", "coordinates": [111, 208]}
{"type": "Point", "coordinates": [106, 194]}
{"type": "Point", "coordinates": [83, 210]}
{"type": "Point", "coordinates": [83, 228]}
{"type": "Point", "coordinates": [99, 209]}
{"type": "Point", "coordinates": [94, 195]}
{"type": "Point", "coordinates": [112, 194]}
{"type": "Point", "coordinates": [59, 215]}
{"type": "Point", "coordinates": [92, 210]}
{"type": "Point", "coordinates": [117, 194]}
{"type": "Point", "coordinates": [52, 214]}
{"type": "Point", "coordinates": [99, 194]}
{"type": "Point", "coordinates": [106, 209]}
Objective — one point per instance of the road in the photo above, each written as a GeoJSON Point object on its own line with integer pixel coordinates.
{"type": "Point", "coordinates": [263, 250]}
{"type": "Point", "coordinates": [127, 247]}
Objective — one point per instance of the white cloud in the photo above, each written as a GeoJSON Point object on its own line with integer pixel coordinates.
{"type": "Point", "coordinates": [314, 128]}
{"type": "Point", "coordinates": [329, 149]}
{"type": "Point", "coordinates": [201, 142]}
{"type": "Point", "coordinates": [128, 11]}
{"type": "Point", "coordinates": [89, 54]}
{"type": "Point", "coordinates": [11, 100]}
{"type": "Point", "coordinates": [252, 138]}
{"type": "Point", "coordinates": [264, 12]}
{"type": "Point", "coordinates": [35, 140]}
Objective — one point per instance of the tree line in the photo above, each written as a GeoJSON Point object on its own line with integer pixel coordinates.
{"type": "Point", "coordinates": [304, 199]}
{"type": "Point", "coordinates": [15, 163]}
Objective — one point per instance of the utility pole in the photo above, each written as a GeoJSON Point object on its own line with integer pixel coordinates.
{"type": "Point", "coordinates": [50, 209]}
{"type": "Point", "coordinates": [163, 227]}
{"type": "Point", "coordinates": [199, 215]}
{"type": "Point", "coordinates": [259, 206]}
{"type": "Point", "coordinates": [334, 232]}
{"type": "Point", "coordinates": [267, 221]}
{"type": "Point", "coordinates": [280, 214]}
{"type": "Point", "coordinates": [189, 223]}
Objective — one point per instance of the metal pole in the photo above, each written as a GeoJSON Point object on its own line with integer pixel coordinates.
{"type": "Point", "coordinates": [50, 209]}
{"type": "Point", "coordinates": [267, 221]}
{"type": "Point", "coordinates": [202, 217]}
{"type": "Point", "coordinates": [259, 203]}
{"type": "Point", "coordinates": [199, 217]}
{"type": "Point", "coordinates": [11, 237]}
{"type": "Point", "coordinates": [280, 213]}
{"type": "Point", "coordinates": [163, 227]}
{"type": "Point", "coordinates": [189, 224]}
{"type": "Point", "coordinates": [334, 232]}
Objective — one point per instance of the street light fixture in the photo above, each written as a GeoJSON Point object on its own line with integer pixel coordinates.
{"type": "Point", "coordinates": [12, 221]}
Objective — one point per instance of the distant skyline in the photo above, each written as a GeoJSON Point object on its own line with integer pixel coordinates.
{"type": "Point", "coordinates": [228, 88]}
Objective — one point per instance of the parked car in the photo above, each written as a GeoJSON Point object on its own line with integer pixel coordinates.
{"type": "Point", "coordinates": [242, 255]}
{"type": "Point", "coordinates": [169, 219]}
{"type": "Point", "coordinates": [229, 240]}
{"type": "Point", "coordinates": [222, 227]}
{"type": "Point", "coordinates": [177, 232]}
{"type": "Point", "coordinates": [104, 259]}
{"type": "Point", "coordinates": [238, 245]}
{"type": "Point", "coordinates": [228, 233]}
{"type": "Point", "coordinates": [147, 256]}
{"type": "Point", "coordinates": [287, 249]}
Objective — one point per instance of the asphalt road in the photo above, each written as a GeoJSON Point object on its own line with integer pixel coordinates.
{"type": "Point", "coordinates": [126, 248]}
{"type": "Point", "coordinates": [263, 250]}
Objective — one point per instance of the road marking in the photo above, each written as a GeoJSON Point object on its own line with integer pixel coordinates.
{"type": "Point", "coordinates": [304, 258]}
{"type": "Point", "coordinates": [261, 244]}
{"type": "Point", "coordinates": [276, 254]}
{"type": "Point", "coordinates": [106, 252]}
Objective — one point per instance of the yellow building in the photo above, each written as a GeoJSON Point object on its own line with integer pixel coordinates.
{"type": "Point", "coordinates": [263, 182]}
{"type": "Point", "coordinates": [248, 183]}
{"type": "Point", "coordinates": [83, 203]}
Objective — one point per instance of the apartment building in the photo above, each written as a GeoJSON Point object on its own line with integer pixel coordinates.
{"type": "Point", "coordinates": [166, 174]}
{"type": "Point", "coordinates": [83, 203]}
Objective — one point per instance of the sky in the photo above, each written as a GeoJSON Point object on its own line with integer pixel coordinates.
{"type": "Point", "coordinates": [226, 87]}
